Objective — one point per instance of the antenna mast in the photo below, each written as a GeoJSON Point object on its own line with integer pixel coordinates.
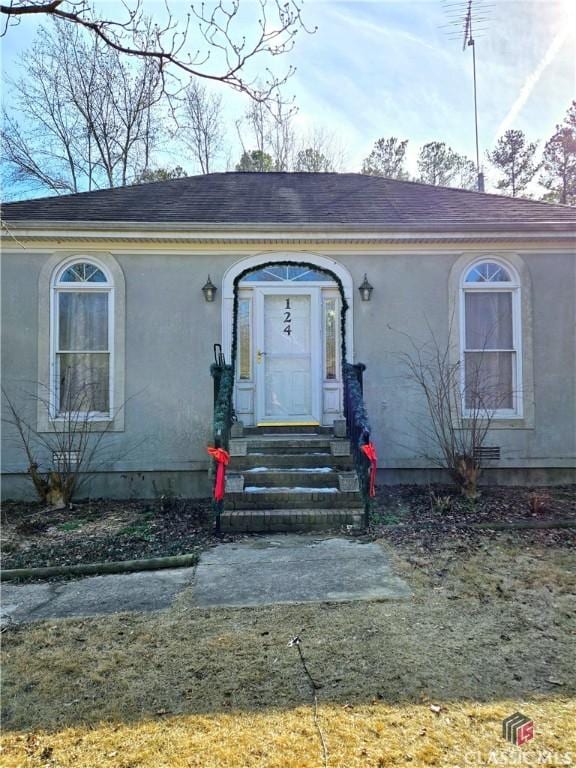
{"type": "Point", "coordinates": [469, 41]}
{"type": "Point", "coordinates": [465, 19]}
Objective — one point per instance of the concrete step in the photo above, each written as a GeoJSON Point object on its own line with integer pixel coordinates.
{"type": "Point", "coordinates": [289, 498]}
{"type": "Point", "coordinates": [284, 520]}
{"type": "Point", "coordinates": [282, 477]}
{"type": "Point", "coordinates": [279, 460]}
{"type": "Point", "coordinates": [284, 444]}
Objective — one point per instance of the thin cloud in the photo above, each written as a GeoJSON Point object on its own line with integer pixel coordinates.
{"type": "Point", "coordinates": [531, 82]}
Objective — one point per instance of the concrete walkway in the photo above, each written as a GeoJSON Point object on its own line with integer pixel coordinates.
{"type": "Point", "coordinates": [255, 571]}
{"type": "Point", "coordinates": [294, 568]}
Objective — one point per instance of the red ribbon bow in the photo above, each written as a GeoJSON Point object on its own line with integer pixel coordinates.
{"type": "Point", "coordinates": [222, 457]}
{"type": "Point", "coordinates": [370, 450]}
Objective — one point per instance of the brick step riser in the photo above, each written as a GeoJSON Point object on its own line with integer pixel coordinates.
{"type": "Point", "coordinates": [274, 523]}
{"type": "Point", "coordinates": [292, 479]}
{"type": "Point", "coordinates": [275, 460]}
{"type": "Point", "coordinates": [306, 443]}
{"type": "Point", "coordinates": [254, 501]}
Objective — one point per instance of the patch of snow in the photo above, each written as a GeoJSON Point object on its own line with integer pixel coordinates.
{"type": "Point", "coordinates": [289, 469]}
{"type": "Point", "coordinates": [297, 489]}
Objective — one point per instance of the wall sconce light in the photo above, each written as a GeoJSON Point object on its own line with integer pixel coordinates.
{"type": "Point", "coordinates": [365, 289]}
{"type": "Point", "coordinates": [209, 290]}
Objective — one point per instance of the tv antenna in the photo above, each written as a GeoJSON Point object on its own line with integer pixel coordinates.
{"type": "Point", "coordinates": [467, 21]}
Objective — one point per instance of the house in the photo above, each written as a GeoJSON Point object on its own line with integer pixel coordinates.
{"type": "Point", "coordinates": [293, 274]}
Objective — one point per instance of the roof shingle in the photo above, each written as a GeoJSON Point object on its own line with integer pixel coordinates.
{"type": "Point", "coordinates": [293, 198]}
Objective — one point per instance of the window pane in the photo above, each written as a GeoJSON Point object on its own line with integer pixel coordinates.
{"type": "Point", "coordinates": [83, 321]}
{"type": "Point", "coordinates": [330, 336]}
{"type": "Point", "coordinates": [489, 272]}
{"type": "Point", "coordinates": [489, 380]}
{"type": "Point", "coordinates": [263, 275]}
{"type": "Point", "coordinates": [313, 275]}
{"type": "Point", "coordinates": [84, 382]}
{"type": "Point", "coordinates": [83, 273]}
{"type": "Point", "coordinates": [286, 272]}
{"type": "Point", "coordinates": [488, 320]}
{"type": "Point", "coordinates": [244, 350]}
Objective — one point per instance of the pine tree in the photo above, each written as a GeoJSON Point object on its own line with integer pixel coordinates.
{"type": "Point", "coordinates": [559, 162]}
{"type": "Point", "coordinates": [254, 161]}
{"type": "Point", "coordinates": [387, 159]}
{"type": "Point", "coordinates": [514, 158]}
{"type": "Point", "coordinates": [439, 165]}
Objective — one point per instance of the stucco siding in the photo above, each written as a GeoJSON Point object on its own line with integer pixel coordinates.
{"type": "Point", "coordinates": [170, 331]}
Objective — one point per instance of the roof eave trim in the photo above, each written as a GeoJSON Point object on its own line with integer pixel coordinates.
{"type": "Point", "coordinates": [445, 228]}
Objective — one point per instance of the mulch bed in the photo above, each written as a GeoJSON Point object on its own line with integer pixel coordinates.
{"type": "Point", "coordinates": [429, 515]}
{"type": "Point", "coordinates": [103, 531]}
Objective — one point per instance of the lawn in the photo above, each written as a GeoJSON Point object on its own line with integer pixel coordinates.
{"type": "Point", "coordinates": [424, 682]}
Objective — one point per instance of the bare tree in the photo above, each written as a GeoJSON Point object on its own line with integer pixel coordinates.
{"type": "Point", "coordinates": [87, 119]}
{"type": "Point", "coordinates": [62, 460]}
{"type": "Point", "coordinates": [268, 131]}
{"type": "Point", "coordinates": [201, 126]}
{"type": "Point", "coordinates": [319, 151]}
{"type": "Point", "coordinates": [171, 45]}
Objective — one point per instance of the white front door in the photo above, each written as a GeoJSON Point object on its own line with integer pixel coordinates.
{"type": "Point", "coordinates": [287, 355]}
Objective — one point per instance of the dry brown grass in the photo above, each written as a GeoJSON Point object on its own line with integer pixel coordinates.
{"type": "Point", "coordinates": [362, 736]}
{"type": "Point", "coordinates": [488, 633]}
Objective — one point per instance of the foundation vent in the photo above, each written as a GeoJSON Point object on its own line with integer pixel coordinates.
{"type": "Point", "coordinates": [487, 453]}
{"type": "Point", "coordinates": [62, 460]}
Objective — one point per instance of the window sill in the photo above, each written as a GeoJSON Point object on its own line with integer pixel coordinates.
{"type": "Point", "coordinates": [506, 422]}
{"type": "Point", "coordinates": [96, 424]}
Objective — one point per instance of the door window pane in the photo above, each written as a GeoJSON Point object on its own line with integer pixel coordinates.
{"type": "Point", "coordinates": [84, 382]}
{"type": "Point", "coordinates": [244, 334]}
{"type": "Point", "coordinates": [330, 336]}
{"type": "Point", "coordinates": [83, 321]}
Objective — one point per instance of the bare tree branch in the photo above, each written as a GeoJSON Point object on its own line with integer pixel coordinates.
{"type": "Point", "coordinates": [217, 31]}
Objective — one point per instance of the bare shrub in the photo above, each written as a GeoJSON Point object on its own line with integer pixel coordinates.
{"type": "Point", "coordinates": [460, 410]}
{"type": "Point", "coordinates": [62, 460]}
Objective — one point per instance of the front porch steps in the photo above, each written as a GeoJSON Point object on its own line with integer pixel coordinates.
{"type": "Point", "coordinates": [293, 520]}
{"type": "Point", "coordinates": [279, 480]}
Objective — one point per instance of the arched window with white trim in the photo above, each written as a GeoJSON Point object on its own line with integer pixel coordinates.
{"type": "Point", "coordinates": [82, 339]}
{"type": "Point", "coordinates": [491, 339]}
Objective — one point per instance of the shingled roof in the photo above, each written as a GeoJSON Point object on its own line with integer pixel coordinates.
{"type": "Point", "coordinates": [344, 199]}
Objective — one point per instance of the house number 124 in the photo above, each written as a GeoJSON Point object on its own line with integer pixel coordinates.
{"type": "Point", "coordinates": [287, 319]}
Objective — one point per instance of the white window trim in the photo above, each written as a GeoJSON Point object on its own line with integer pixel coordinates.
{"type": "Point", "coordinates": [51, 270]}
{"type": "Point", "coordinates": [514, 288]}
{"type": "Point", "coordinates": [58, 288]}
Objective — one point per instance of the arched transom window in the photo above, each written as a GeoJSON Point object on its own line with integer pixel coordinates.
{"type": "Point", "coordinates": [491, 339]}
{"type": "Point", "coordinates": [284, 272]}
{"type": "Point", "coordinates": [82, 339]}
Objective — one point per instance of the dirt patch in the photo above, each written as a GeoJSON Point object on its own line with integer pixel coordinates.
{"type": "Point", "coordinates": [490, 631]}
{"type": "Point", "coordinates": [103, 531]}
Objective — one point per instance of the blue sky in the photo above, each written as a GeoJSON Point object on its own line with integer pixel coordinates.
{"type": "Point", "coordinates": [387, 68]}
